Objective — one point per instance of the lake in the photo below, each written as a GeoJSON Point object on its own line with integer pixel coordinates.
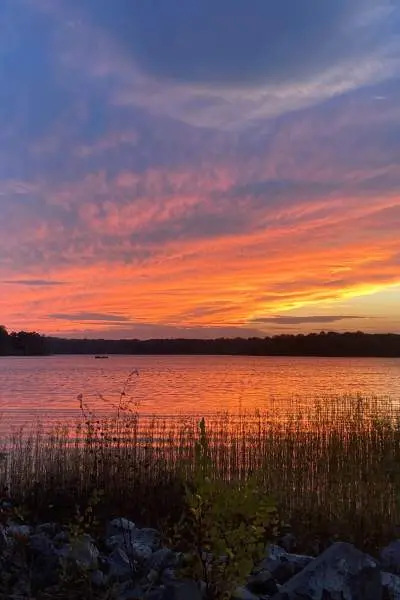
{"type": "Point", "coordinates": [47, 388]}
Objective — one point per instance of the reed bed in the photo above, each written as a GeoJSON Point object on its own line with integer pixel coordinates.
{"type": "Point", "coordinates": [333, 467]}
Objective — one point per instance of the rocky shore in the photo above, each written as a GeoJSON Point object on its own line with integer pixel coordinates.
{"type": "Point", "coordinates": [130, 563]}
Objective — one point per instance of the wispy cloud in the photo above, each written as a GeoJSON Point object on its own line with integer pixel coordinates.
{"type": "Point", "coordinates": [34, 282]}
{"type": "Point", "coordinates": [175, 189]}
{"type": "Point", "coordinates": [89, 316]}
{"type": "Point", "coordinates": [292, 320]}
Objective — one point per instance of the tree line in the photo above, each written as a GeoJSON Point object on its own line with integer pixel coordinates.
{"type": "Point", "coordinates": [313, 344]}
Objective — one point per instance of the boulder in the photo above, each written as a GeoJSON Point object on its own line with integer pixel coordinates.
{"type": "Point", "coordinates": [119, 526]}
{"type": "Point", "coordinates": [98, 578]}
{"type": "Point", "coordinates": [4, 541]}
{"type": "Point", "coordinates": [147, 537]}
{"type": "Point", "coordinates": [45, 561]}
{"type": "Point", "coordinates": [49, 529]}
{"type": "Point", "coordinates": [390, 557]}
{"type": "Point", "coordinates": [242, 593]}
{"type": "Point", "coordinates": [339, 573]}
{"type": "Point", "coordinates": [391, 585]}
{"type": "Point", "coordinates": [18, 531]}
{"type": "Point", "coordinates": [281, 564]}
{"type": "Point", "coordinates": [162, 559]}
{"type": "Point", "coordinates": [184, 590]}
{"type": "Point", "coordinates": [120, 567]}
{"type": "Point", "coordinates": [138, 552]}
{"type": "Point", "coordinates": [130, 591]}
{"type": "Point", "coordinates": [262, 583]}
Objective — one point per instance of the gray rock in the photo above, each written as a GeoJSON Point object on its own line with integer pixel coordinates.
{"type": "Point", "coordinates": [98, 578]}
{"type": "Point", "coordinates": [116, 541]}
{"type": "Point", "coordinates": [119, 565]}
{"type": "Point", "coordinates": [288, 542]}
{"type": "Point", "coordinates": [242, 593]}
{"type": "Point", "coordinates": [4, 541]}
{"type": "Point", "coordinates": [262, 583]}
{"type": "Point", "coordinates": [366, 585]}
{"type": "Point", "coordinates": [62, 537]}
{"type": "Point", "coordinates": [391, 585]}
{"type": "Point", "coordinates": [168, 576]}
{"type": "Point", "coordinates": [138, 552]}
{"type": "Point", "coordinates": [44, 560]}
{"type": "Point", "coordinates": [120, 526]}
{"type": "Point", "coordinates": [162, 559]}
{"type": "Point", "coordinates": [147, 537]}
{"type": "Point", "coordinates": [157, 594]}
{"type": "Point", "coordinates": [18, 531]}
{"type": "Point", "coordinates": [283, 565]}
{"type": "Point", "coordinates": [133, 549]}
{"type": "Point", "coordinates": [49, 529]}
{"type": "Point", "coordinates": [130, 591]}
{"type": "Point", "coordinates": [185, 590]}
{"type": "Point", "coordinates": [40, 544]}
{"type": "Point", "coordinates": [390, 557]}
{"type": "Point", "coordinates": [340, 573]}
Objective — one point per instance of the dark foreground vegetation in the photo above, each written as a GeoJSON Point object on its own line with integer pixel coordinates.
{"type": "Point", "coordinates": [222, 487]}
{"type": "Point", "coordinates": [334, 472]}
{"type": "Point", "coordinates": [314, 344]}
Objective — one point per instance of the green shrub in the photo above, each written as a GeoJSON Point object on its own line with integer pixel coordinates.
{"type": "Point", "coordinates": [222, 528]}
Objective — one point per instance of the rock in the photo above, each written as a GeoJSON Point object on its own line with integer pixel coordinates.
{"type": "Point", "coordinates": [283, 565]}
{"type": "Point", "coordinates": [119, 565]}
{"type": "Point", "coordinates": [45, 561]}
{"type": "Point", "coordinates": [4, 541]}
{"type": "Point", "coordinates": [390, 557]}
{"type": "Point", "coordinates": [366, 585]}
{"type": "Point", "coordinates": [134, 550]}
{"type": "Point", "coordinates": [130, 591]}
{"type": "Point", "coordinates": [62, 537]}
{"type": "Point", "coordinates": [147, 537]}
{"type": "Point", "coordinates": [391, 585]}
{"type": "Point", "coordinates": [168, 576]}
{"type": "Point", "coordinates": [138, 552]}
{"type": "Point", "coordinates": [157, 594]}
{"type": "Point", "coordinates": [288, 542]}
{"type": "Point", "coordinates": [162, 559]}
{"type": "Point", "coordinates": [262, 583]}
{"type": "Point", "coordinates": [242, 593]}
{"type": "Point", "coordinates": [185, 590]}
{"type": "Point", "coordinates": [115, 541]}
{"type": "Point", "coordinates": [120, 526]}
{"type": "Point", "coordinates": [98, 578]}
{"type": "Point", "coordinates": [49, 529]}
{"type": "Point", "coordinates": [19, 531]}
{"type": "Point", "coordinates": [340, 573]}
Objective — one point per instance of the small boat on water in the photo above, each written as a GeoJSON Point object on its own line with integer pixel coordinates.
{"type": "Point", "coordinates": [101, 356]}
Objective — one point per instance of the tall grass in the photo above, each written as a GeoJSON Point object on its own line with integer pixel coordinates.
{"type": "Point", "coordinates": [334, 469]}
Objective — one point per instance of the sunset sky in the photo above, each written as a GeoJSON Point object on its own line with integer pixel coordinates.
{"type": "Point", "coordinates": [199, 167]}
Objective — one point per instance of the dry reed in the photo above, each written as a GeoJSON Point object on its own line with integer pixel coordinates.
{"type": "Point", "coordinates": [334, 469]}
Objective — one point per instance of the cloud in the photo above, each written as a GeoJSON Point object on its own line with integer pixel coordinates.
{"type": "Point", "coordinates": [162, 199]}
{"type": "Point", "coordinates": [237, 43]}
{"type": "Point", "coordinates": [159, 330]}
{"type": "Point", "coordinates": [34, 282]}
{"type": "Point", "coordinates": [90, 316]}
{"type": "Point", "coordinates": [292, 320]}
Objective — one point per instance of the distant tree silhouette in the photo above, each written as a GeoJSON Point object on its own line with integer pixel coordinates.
{"type": "Point", "coordinates": [4, 341]}
{"type": "Point", "coordinates": [314, 344]}
{"type": "Point", "coordinates": [29, 343]}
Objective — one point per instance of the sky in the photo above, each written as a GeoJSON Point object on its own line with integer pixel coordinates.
{"type": "Point", "coordinates": [199, 168]}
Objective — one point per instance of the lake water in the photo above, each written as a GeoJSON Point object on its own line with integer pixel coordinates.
{"type": "Point", "coordinates": [47, 388]}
